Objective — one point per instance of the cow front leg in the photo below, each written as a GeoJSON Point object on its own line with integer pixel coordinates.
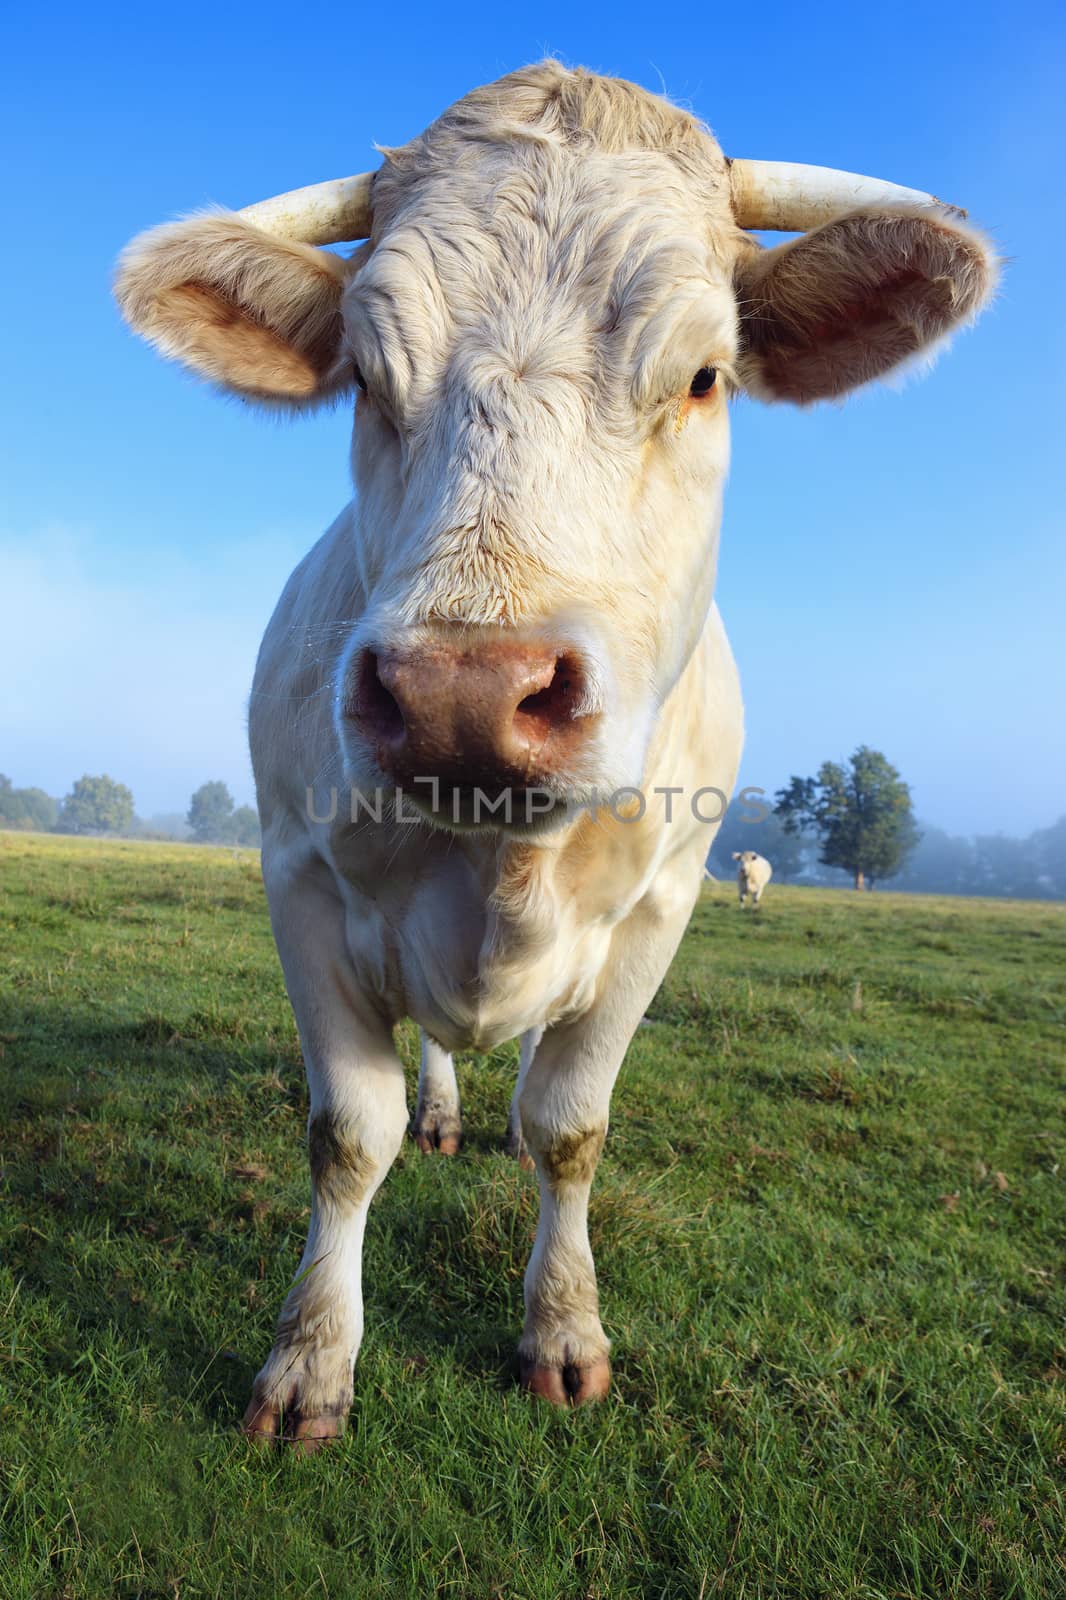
{"type": "Point", "coordinates": [564, 1102]}
{"type": "Point", "coordinates": [304, 1391]}
{"type": "Point", "coordinates": [563, 1350]}
{"type": "Point", "coordinates": [357, 1121]}
{"type": "Point", "coordinates": [437, 1123]}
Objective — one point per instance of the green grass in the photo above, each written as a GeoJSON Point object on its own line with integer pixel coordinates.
{"type": "Point", "coordinates": [829, 1227]}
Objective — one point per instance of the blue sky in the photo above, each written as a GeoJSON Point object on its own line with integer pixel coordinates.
{"type": "Point", "coordinates": [892, 570]}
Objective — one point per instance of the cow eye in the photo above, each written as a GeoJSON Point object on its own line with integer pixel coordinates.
{"type": "Point", "coordinates": [360, 381]}
{"type": "Point", "coordinates": [703, 382]}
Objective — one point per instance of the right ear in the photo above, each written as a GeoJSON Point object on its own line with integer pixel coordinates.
{"type": "Point", "coordinates": [856, 297]}
{"type": "Point", "coordinates": [259, 315]}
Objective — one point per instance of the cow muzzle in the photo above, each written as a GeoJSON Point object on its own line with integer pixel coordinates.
{"type": "Point", "coordinates": [450, 719]}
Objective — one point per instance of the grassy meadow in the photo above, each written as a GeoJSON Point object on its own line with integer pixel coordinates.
{"type": "Point", "coordinates": [829, 1225]}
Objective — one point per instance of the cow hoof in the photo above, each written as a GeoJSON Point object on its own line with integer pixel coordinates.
{"type": "Point", "coordinates": [265, 1426]}
{"type": "Point", "coordinates": [437, 1127]}
{"type": "Point", "coordinates": [436, 1141]}
{"type": "Point", "coordinates": [568, 1385]}
{"type": "Point", "coordinates": [301, 1398]}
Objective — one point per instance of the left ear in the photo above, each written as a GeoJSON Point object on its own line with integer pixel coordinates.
{"type": "Point", "coordinates": [256, 314]}
{"type": "Point", "coordinates": [849, 301]}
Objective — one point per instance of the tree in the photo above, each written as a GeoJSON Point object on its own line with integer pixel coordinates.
{"type": "Point", "coordinates": [26, 808]}
{"type": "Point", "coordinates": [861, 813]}
{"type": "Point", "coordinates": [96, 805]}
{"type": "Point", "coordinates": [244, 826]}
{"type": "Point", "coordinates": [211, 813]}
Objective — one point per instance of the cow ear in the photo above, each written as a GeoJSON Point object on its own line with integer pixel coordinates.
{"type": "Point", "coordinates": [854, 299]}
{"type": "Point", "coordinates": [258, 315]}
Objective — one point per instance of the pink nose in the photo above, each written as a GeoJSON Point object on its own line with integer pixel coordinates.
{"type": "Point", "coordinates": [491, 714]}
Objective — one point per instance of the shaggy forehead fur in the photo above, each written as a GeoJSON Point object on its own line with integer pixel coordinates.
{"type": "Point", "coordinates": [545, 119]}
{"type": "Point", "coordinates": [540, 216]}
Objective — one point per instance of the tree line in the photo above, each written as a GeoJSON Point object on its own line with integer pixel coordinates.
{"type": "Point", "coordinates": [853, 822]}
{"type": "Point", "coordinates": [98, 804]}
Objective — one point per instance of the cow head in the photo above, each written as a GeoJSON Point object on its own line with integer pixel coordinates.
{"type": "Point", "coordinates": [554, 305]}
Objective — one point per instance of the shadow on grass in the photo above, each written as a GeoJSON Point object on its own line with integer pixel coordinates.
{"type": "Point", "coordinates": [134, 1232]}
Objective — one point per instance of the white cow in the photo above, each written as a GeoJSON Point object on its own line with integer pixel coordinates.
{"type": "Point", "coordinates": [514, 619]}
{"type": "Point", "coordinates": [753, 874]}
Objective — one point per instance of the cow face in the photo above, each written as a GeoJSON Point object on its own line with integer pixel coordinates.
{"type": "Point", "coordinates": [545, 354]}
{"type": "Point", "coordinates": [542, 334]}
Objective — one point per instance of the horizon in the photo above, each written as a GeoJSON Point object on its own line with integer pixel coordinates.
{"type": "Point", "coordinates": [891, 570]}
{"type": "Point", "coordinates": [333, 798]}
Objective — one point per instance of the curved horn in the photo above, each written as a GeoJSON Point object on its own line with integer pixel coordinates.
{"type": "Point", "coordinates": [780, 196]}
{"type": "Point", "coordinates": [323, 213]}
{"type": "Point", "coordinates": [788, 197]}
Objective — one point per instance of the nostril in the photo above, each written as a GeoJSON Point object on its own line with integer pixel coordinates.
{"type": "Point", "coordinates": [556, 703]}
{"type": "Point", "coordinates": [371, 704]}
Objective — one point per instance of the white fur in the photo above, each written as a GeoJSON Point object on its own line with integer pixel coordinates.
{"type": "Point", "coordinates": [753, 874]}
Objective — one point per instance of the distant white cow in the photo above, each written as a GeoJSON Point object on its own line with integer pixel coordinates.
{"type": "Point", "coordinates": [753, 874]}
{"type": "Point", "coordinates": [557, 297]}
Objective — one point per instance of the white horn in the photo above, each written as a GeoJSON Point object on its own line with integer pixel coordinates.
{"type": "Point", "coordinates": [323, 213]}
{"type": "Point", "coordinates": [779, 196]}
{"type": "Point", "coordinates": [788, 197]}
